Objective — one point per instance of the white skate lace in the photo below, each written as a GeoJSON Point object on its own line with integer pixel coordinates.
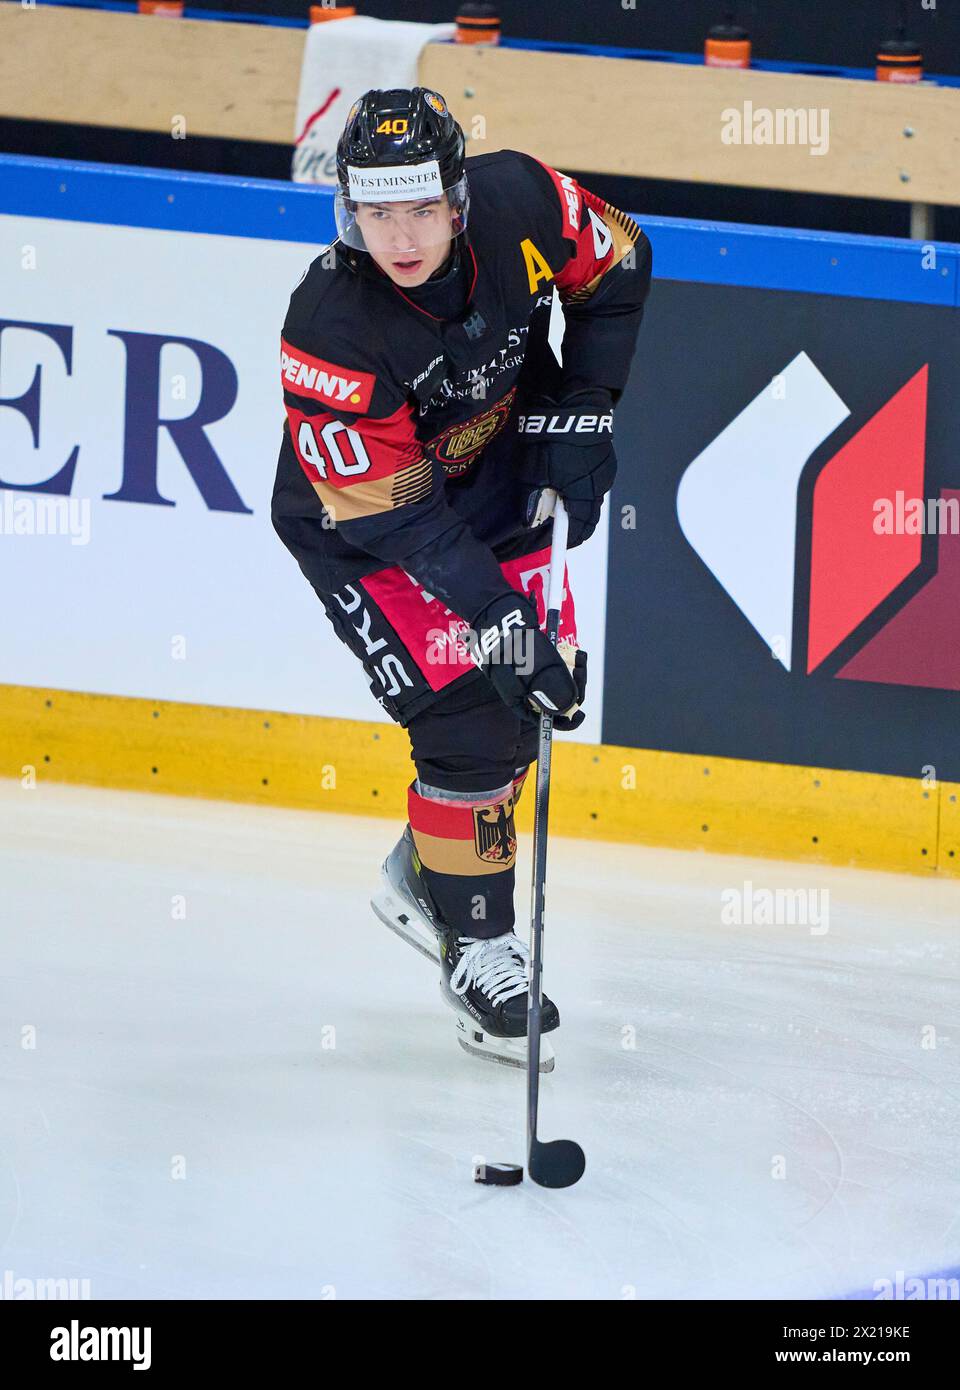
{"type": "Point", "coordinates": [497, 965]}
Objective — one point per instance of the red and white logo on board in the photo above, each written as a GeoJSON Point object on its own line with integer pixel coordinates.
{"type": "Point", "coordinates": [863, 612]}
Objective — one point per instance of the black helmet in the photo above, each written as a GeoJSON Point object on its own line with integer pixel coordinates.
{"type": "Point", "coordinates": [401, 126]}
{"type": "Point", "coordinates": [397, 145]}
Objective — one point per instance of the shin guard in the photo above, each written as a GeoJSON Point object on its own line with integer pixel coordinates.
{"type": "Point", "coordinates": [467, 846]}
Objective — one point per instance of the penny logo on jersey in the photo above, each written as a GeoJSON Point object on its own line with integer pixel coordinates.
{"type": "Point", "coordinates": [459, 445]}
{"type": "Point", "coordinates": [325, 381]}
{"type": "Point", "coordinates": [494, 836]}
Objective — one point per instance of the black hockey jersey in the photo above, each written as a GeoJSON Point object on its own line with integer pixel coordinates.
{"type": "Point", "coordinates": [399, 446]}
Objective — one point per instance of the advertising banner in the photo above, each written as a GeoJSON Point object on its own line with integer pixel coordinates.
{"type": "Point", "coordinates": [785, 546]}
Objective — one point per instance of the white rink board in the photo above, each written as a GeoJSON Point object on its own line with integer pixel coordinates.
{"type": "Point", "coordinates": [171, 602]}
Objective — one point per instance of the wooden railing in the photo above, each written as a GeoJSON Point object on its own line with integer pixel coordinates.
{"type": "Point", "coordinates": [608, 115]}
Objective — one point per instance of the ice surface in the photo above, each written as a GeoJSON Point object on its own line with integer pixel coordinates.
{"type": "Point", "coordinates": [296, 1060]}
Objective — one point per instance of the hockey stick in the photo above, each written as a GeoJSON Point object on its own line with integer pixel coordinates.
{"type": "Point", "coordinates": [559, 1162]}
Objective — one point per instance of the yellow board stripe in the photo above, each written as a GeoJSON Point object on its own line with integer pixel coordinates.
{"type": "Point", "coordinates": [677, 800]}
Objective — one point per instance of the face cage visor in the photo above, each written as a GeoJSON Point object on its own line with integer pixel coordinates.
{"type": "Point", "coordinates": [392, 227]}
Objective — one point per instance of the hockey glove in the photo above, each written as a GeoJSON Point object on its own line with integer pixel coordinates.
{"type": "Point", "coordinates": [528, 672]}
{"type": "Point", "coordinates": [569, 447]}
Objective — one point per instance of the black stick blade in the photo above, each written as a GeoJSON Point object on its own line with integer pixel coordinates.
{"type": "Point", "coordinates": [559, 1163]}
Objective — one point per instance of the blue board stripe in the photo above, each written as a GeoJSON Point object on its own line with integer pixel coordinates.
{"type": "Point", "coordinates": [724, 253]}
{"type": "Point", "coordinates": [119, 195]}
{"type": "Point", "coordinates": [655, 55]}
{"type": "Point", "coordinates": [189, 12]}
{"type": "Point", "coordinates": [784, 258]}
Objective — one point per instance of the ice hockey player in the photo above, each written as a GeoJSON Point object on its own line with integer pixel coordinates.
{"type": "Point", "coordinates": [426, 417]}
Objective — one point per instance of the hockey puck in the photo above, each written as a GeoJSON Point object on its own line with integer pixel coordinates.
{"type": "Point", "coordinates": [498, 1174]}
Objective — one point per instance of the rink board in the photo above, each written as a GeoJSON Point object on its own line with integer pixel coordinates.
{"type": "Point", "coordinates": [204, 662]}
{"type": "Point", "coordinates": [673, 800]}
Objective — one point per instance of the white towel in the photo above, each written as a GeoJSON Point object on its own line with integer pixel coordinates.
{"type": "Point", "coordinates": [344, 58]}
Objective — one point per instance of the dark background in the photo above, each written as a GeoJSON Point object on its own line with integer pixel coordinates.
{"type": "Point", "coordinates": [843, 32]}
{"type": "Point", "coordinates": [685, 671]}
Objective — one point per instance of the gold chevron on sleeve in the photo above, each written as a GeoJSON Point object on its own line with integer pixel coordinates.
{"type": "Point", "coordinates": [411, 483]}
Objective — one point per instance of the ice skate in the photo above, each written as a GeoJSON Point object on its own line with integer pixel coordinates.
{"type": "Point", "coordinates": [484, 982]}
{"type": "Point", "coordinates": [403, 901]}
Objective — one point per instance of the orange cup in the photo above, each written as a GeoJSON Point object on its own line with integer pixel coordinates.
{"type": "Point", "coordinates": [899, 60]}
{"type": "Point", "coordinates": [477, 23]}
{"type": "Point", "coordinates": [727, 46]}
{"type": "Point", "coordinates": [320, 13]}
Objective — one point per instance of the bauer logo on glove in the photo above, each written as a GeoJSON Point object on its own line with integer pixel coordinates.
{"type": "Point", "coordinates": [568, 446]}
{"type": "Point", "coordinates": [565, 421]}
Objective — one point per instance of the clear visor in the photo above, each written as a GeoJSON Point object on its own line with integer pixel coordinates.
{"type": "Point", "coordinates": [394, 228]}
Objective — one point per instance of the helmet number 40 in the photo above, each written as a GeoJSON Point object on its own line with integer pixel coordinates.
{"type": "Point", "coordinates": [396, 125]}
{"type": "Point", "coordinates": [327, 448]}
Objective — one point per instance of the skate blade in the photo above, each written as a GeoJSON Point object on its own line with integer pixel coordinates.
{"type": "Point", "coordinates": [402, 918]}
{"type": "Point", "coordinates": [508, 1052]}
